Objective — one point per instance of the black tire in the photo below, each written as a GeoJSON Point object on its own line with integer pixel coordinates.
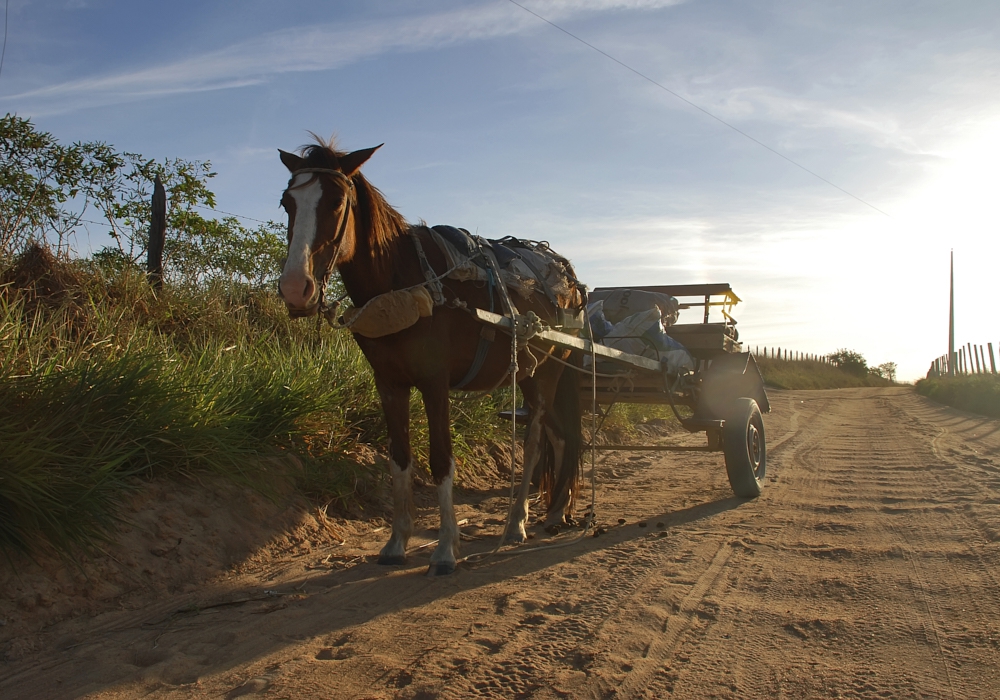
{"type": "Point", "coordinates": [745, 448]}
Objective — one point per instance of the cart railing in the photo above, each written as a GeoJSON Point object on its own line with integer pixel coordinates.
{"type": "Point", "coordinates": [708, 295]}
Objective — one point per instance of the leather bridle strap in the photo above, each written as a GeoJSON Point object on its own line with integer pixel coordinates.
{"type": "Point", "coordinates": [342, 226]}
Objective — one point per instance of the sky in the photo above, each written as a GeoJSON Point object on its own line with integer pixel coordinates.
{"type": "Point", "coordinates": [496, 121]}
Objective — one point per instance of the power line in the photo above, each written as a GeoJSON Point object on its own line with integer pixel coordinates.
{"type": "Point", "coordinates": [238, 216]}
{"type": "Point", "coordinates": [227, 213]}
{"type": "Point", "coordinates": [700, 109]}
{"type": "Point", "coordinates": [3, 53]}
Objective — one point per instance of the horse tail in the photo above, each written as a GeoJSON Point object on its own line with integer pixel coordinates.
{"type": "Point", "coordinates": [559, 482]}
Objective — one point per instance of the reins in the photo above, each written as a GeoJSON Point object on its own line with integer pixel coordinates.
{"type": "Point", "coordinates": [329, 310]}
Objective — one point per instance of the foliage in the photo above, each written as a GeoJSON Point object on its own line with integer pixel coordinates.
{"type": "Point", "coordinates": [212, 248]}
{"type": "Point", "coordinates": [39, 177]}
{"type": "Point", "coordinates": [978, 393]}
{"type": "Point", "coordinates": [849, 361]}
{"type": "Point", "coordinates": [47, 188]}
{"type": "Point", "coordinates": [812, 374]}
{"type": "Point", "coordinates": [886, 370]}
{"type": "Point", "coordinates": [111, 383]}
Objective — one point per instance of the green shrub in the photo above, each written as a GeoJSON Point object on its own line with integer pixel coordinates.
{"type": "Point", "coordinates": [978, 393]}
{"type": "Point", "coordinates": [104, 383]}
{"type": "Point", "coordinates": [813, 374]}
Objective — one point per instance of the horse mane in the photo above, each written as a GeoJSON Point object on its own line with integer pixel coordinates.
{"type": "Point", "coordinates": [374, 213]}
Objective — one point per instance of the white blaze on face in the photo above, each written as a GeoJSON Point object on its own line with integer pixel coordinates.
{"type": "Point", "coordinates": [295, 283]}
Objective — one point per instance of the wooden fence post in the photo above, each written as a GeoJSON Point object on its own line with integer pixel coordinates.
{"type": "Point", "coordinates": [993, 364]}
{"type": "Point", "coordinates": [157, 235]}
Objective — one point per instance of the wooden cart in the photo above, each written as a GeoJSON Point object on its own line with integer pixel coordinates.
{"type": "Point", "coordinates": [725, 393]}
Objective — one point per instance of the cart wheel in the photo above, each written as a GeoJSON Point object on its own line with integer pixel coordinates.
{"type": "Point", "coordinates": [744, 448]}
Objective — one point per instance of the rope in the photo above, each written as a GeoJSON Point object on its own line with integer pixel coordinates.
{"type": "Point", "coordinates": [591, 516]}
{"type": "Point", "coordinates": [511, 312]}
{"type": "Point", "coordinates": [592, 370]}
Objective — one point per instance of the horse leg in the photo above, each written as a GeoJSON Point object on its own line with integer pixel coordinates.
{"type": "Point", "coordinates": [557, 508]}
{"type": "Point", "coordinates": [563, 431]}
{"type": "Point", "coordinates": [532, 452]}
{"type": "Point", "coordinates": [396, 406]}
{"type": "Point", "coordinates": [442, 463]}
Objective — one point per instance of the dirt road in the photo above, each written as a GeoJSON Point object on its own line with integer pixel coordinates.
{"type": "Point", "coordinates": [870, 568]}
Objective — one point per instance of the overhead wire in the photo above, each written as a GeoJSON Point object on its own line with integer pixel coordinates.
{"type": "Point", "coordinates": [698, 107]}
{"type": "Point", "coordinates": [229, 213]}
{"type": "Point", "coordinates": [3, 54]}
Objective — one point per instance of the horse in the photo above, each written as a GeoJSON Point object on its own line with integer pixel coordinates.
{"type": "Point", "coordinates": [338, 221]}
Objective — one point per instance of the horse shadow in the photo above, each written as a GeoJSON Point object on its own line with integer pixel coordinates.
{"type": "Point", "coordinates": [327, 605]}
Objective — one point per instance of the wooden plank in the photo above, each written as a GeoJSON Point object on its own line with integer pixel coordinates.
{"type": "Point", "coordinates": [699, 328]}
{"type": "Point", "coordinates": [682, 290]}
{"type": "Point", "coordinates": [570, 341]}
{"type": "Point", "coordinates": [653, 448]}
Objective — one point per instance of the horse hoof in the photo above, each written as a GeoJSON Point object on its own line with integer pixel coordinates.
{"type": "Point", "coordinates": [515, 538]}
{"type": "Point", "coordinates": [441, 568]}
{"type": "Point", "coordinates": [391, 559]}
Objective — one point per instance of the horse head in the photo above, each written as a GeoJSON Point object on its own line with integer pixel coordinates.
{"type": "Point", "coordinates": [320, 201]}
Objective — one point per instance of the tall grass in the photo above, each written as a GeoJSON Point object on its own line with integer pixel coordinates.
{"type": "Point", "coordinates": [812, 374]}
{"type": "Point", "coordinates": [978, 393]}
{"type": "Point", "coordinates": [109, 384]}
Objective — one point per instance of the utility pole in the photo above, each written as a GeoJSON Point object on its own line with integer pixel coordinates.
{"type": "Point", "coordinates": [951, 320]}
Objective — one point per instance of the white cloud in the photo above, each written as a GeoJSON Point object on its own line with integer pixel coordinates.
{"type": "Point", "coordinates": [311, 48]}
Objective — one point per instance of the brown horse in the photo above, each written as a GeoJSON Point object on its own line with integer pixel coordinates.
{"type": "Point", "coordinates": [336, 219]}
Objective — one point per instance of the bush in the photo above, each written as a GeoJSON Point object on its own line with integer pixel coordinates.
{"type": "Point", "coordinates": [849, 361]}
{"type": "Point", "coordinates": [46, 188]}
{"type": "Point", "coordinates": [813, 374]}
{"type": "Point", "coordinates": [978, 393]}
{"type": "Point", "coordinates": [107, 383]}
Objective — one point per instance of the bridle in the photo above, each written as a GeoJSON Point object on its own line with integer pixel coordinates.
{"type": "Point", "coordinates": [349, 201]}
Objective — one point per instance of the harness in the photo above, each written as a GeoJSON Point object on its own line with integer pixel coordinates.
{"type": "Point", "coordinates": [479, 249]}
{"type": "Point", "coordinates": [329, 310]}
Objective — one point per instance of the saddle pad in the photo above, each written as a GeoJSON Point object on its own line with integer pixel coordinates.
{"type": "Point", "coordinates": [459, 238]}
{"type": "Point", "coordinates": [526, 267]}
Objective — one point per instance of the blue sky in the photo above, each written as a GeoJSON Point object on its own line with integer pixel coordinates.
{"type": "Point", "coordinates": [495, 121]}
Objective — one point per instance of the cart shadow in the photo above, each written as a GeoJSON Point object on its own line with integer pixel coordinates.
{"type": "Point", "coordinates": [319, 605]}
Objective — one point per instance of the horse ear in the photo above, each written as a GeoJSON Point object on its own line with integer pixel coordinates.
{"type": "Point", "coordinates": [291, 161]}
{"type": "Point", "coordinates": [352, 162]}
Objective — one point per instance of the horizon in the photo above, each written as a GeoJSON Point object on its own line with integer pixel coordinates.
{"type": "Point", "coordinates": [500, 123]}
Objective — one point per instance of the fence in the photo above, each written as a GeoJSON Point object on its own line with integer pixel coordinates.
{"type": "Point", "coordinates": [774, 353]}
{"type": "Point", "coordinates": [970, 359]}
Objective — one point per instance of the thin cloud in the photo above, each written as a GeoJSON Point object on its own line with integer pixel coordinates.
{"type": "Point", "coordinates": [312, 48]}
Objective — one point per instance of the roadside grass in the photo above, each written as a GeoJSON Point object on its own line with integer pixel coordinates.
{"type": "Point", "coordinates": [630, 421]}
{"type": "Point", "coordinates": [812, 374]}
{"type": "Point", "coordinates": [626, 420]}
{"type": "Point", "coordinates": [105, 383]}
{"type": "Point", "coordinates": [977, 393]}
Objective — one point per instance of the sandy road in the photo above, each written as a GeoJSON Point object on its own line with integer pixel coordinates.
{"type": "Point", "coordinates": [870, 568]}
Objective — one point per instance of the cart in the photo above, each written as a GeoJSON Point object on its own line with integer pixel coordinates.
{"type": "Point", "coordinates": [725, 393]}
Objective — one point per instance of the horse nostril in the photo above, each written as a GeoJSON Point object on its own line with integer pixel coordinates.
{"type": "Point", "coordinates": [307, 293]}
